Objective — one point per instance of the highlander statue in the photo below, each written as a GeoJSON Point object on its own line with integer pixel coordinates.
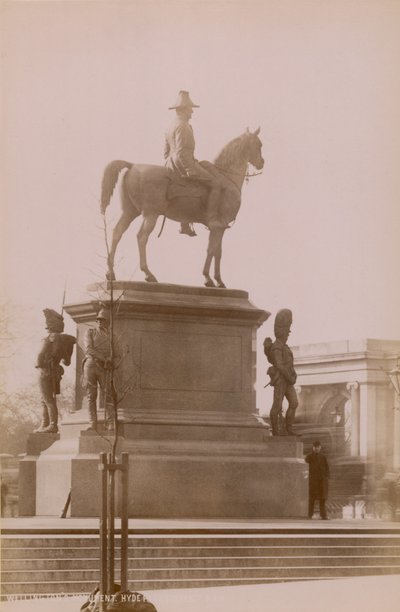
{"type": "Point", "coordinates": [282, 374]}
{"type": "Point", "coordinates": [55, 347]}
{"type": "Point", "coordinates": [184, 190]}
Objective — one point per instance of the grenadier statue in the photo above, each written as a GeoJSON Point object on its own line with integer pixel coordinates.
{"type": "Point", "coordinates": [179, 156]}
{"type": "Point", "coordinates": [55, 347]}
{"type": "Point", "coordinates": [97, 365]}
{"type": "Point", "coordinates": [282, 373]}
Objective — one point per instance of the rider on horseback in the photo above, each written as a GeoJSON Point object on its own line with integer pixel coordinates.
{"type": "Point", "coordinates": [179, 156]}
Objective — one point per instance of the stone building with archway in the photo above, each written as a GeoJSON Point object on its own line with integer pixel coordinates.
{"type": "Point", "coordinates": [346, 401]}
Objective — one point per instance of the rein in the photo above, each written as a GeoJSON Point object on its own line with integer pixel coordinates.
{"type": "Point", "coordinates": [248, 176]}
{"type": "Point", "coordinates": [226, 172]}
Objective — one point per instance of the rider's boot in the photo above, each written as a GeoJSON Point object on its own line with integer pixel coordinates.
{"type": "Point", "coordinates": [45, 422]}
{"type": "Point", "coordinates": [187, 229]}
{"type": "Point", "coordinates": [212, 218]}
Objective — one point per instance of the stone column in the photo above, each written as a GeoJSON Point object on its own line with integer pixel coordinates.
{"type": "Point", "coordinates": [396, 432]}
{"type": "Point", "coordinates": [367, 421]}
{"type": "Point", "coordinates": [354, 389]}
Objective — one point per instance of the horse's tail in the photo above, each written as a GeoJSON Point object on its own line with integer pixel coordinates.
{"type": "Point", "coordinates": [110, 178]}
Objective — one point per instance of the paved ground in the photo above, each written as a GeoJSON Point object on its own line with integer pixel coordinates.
{"type": "Point", "coordinates": [376, 594]}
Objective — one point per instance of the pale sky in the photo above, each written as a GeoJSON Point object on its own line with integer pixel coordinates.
{"type": "Point", "coordinates": [318, 231]}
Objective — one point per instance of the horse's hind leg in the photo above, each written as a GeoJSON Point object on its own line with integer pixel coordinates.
{"type": "Point", "coordinates": [122, 225]}
{"type": "Point", "coordinates": [146, 228]}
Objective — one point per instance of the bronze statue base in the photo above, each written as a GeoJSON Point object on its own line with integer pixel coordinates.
{"type": "Point", "coordinates": [196, 448]}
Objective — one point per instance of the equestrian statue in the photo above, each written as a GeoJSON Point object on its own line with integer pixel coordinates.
{"type": "Point", "coordinates": [184, 190]}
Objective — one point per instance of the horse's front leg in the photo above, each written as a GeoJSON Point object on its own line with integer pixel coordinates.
{"type": "Point", "coordinates": [217, 259]}
{"type": "Point", "coordinates": [211, 250]}
{"type": "Point", "coordinates": [146, 228]}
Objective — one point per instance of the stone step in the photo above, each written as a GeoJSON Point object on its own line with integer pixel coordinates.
{"type": "Point", "coordinates": [308, 539]}
{"type": "Point", "coordinates": [11, 590]}
{"type": "Point", "coordinates": [70, 564]}
{"type": "Point", "coordinates": [251, 571]}
{"type": "Point", "coordinates": [74, 552]}
{"type": "Point", "coordinates": [64, 566]}
{"type": "Point", "coordinates": [136, 552]}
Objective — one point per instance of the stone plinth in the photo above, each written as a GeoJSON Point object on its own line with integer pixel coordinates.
{"type": "Point", "coordinates": [200, 479]}
{"type": "Point", "coordinates": [185, 348]}
{"type": "Point", "coordinates": [187, 417]}
{"type": "Point", "coordinates": [36, 444]}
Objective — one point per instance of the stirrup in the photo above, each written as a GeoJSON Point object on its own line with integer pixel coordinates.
{"type": "Point", "coordinates": [188, 230]}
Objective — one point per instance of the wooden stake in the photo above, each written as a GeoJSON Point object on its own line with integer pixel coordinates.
{"type": "Point", "coordinates": [103, 531]}
{"type": "Point", "coordinates": [124, 520]}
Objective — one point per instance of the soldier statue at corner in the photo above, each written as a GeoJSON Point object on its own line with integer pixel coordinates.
{"type": "Point", "coordinates": [55, 347]}
{"type": "Point", "coordinates": [282, 373]}
{"type": "Point", "coordinates": [97, 366]}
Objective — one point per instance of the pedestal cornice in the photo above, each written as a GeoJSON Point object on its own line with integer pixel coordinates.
{"type": "Point", "coordinates": [136, 299]}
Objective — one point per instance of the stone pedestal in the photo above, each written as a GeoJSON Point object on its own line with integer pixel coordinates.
{"type": "Point", "coordinates": [188, 349]}
{"type": "Point", "coordinates": [187, 415]}
{"type": "Point", "coordinates": [203, 478]}
{"type": "Point", "coordinates": [36, 444]}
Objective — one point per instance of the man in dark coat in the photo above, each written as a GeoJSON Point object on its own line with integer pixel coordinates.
{"type": "Point", "coordinates": [318, 480]}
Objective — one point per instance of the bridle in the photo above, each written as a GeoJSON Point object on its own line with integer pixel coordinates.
{"type": "Point", "coordinates": [247, 175]}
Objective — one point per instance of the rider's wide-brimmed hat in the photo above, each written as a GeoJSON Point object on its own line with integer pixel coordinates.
{"type": "Point", "coordinates": [183, 101]}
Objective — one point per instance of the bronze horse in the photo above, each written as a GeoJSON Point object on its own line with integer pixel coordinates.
{"type": "Point", "coordinates": [144, 192]}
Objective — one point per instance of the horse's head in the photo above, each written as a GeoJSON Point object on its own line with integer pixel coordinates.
{"type": "Point", "coordinates": [243, 150]}
{"type": "Point", "coordinates": [254, 145]}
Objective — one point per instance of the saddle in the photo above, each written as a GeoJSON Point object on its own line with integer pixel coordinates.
{"type": "Point", "coordinates": [181, 187]}
{"type": "Point", "coordinates": [185, 188]}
